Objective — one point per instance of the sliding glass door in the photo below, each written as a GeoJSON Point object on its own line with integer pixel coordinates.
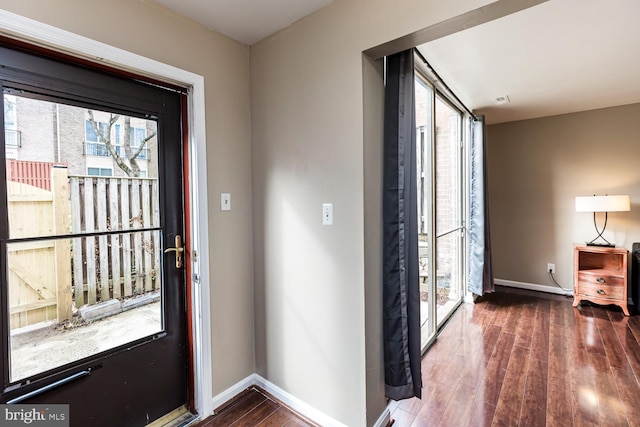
{"type": "Point", "coordinates": [440, 207]}
{"type": "Point", "coordinates": [448, 209]}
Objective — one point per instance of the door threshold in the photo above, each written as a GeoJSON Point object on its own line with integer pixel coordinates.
{"type": "Point", "coordinates": [180, 417]}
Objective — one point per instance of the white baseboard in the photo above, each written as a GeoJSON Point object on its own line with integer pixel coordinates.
{"type": "Point", "coordinates": [541, 288]}
{"type": "Point", "coordinates": [533, 287]}
{"type": "Point", "coordinates": [288, 399]}
{"type": "Point", "coordinates": [231, 392]}
{"type": "Point", "coordinates": [296, 404]}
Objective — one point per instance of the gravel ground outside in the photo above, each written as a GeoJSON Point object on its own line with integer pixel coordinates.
{"type": "Point", "coordinates": [41, 349]}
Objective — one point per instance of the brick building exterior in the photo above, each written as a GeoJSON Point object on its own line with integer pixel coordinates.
{"type": "Point", "coordinates": [448, 188]}
{"type": "Point", "coordinates": [42, 131]}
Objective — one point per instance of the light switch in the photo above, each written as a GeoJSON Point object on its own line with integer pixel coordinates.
{"type": "Point", "coordinates": [327, 214]}
{"type": "Point", "coordinates": [225, 201]}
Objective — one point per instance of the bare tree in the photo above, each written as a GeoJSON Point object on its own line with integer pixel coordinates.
{"type": "Point", "coordinates": [128, 163]}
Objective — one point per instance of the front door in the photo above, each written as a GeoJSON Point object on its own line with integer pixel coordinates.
{"type": "Point", "coordinates": [92, 289]}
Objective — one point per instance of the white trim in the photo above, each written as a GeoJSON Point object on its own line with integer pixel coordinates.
{"type": "Point", "coordinates": [35, 32]}
{"type": "Point", "coordinates": [384, 419]}
{"type": "Point", "coordinates": [288, 399]}
{"type": "Point", "coordinates": [296, 404]}
{"type": "Point", "coordinates": [233, 391]}
{"type": "Point", "coordinates": [533, 287]}
{"type": "Point", "coordinates": [468, 298]}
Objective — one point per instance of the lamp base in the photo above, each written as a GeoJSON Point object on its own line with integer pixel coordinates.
{"type": "Point", "coordinates": [602, 245]}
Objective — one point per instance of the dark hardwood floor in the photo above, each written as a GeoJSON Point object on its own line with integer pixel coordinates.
{"type": "Point", "coordinates": [526, 359]}
{"type": "Point", "coordinates": [255, 408]}
{"type": "Point", "coordinates": [515, 358]}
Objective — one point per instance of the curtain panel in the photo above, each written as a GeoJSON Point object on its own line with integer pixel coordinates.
{"type": "Point", "coordinates": [401, 292]}
{"type": "Point", "coordinates": [480, 277]}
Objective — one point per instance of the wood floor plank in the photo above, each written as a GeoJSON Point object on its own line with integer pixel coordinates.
{"type": "Point", "coordinates": [607, 394]}
{"type": "Point", "coordinates": [587, 326]}
{"type": "Point", "coordinates": [230, 414]}
{"type": "Point", "coordinates": [512, 319]}
{"type": "Point", "coordinates": [509, 404]}
{"type": "Point", "coordinates": [434, 404]}
{"type": "Point", "coordinates": [489, 391]}
{"type": "Point", "coordinates": [558, 362]}
{"type": "Point", "coordinates": [613, 347]}
{"type": "Point", "coordinates": [559, 403]}
{"type": "Point", "coordinates": [534, 403]}
{"type": "Point", "coordinates": [282, 417]}
{"type": "Point", "coordinates": [540, 336]}
{"type": "Point", "coordinates": [258, 414]}
{"type": "Point", "coordinates": [254, 407]}
{"type": "Point", "coordinates": [480, 414]}
{"type": "Point", "coordinates": [629, 392]}
{"type": "Point", "coordinates": [412, 405]}
{"type": "Point", "coordinates": [586, 342]}
{"type": "Point", "coordinates": [524, 331]}
{"type": "Point", "coordinates": [457, 412]}
{"type": "Point", "coordinates": [634, 326]}
{"type": "Point", "coordinates": [583, 394]}
{"type": "Point", "coordinates": [490, 340]}
{"type": "Point", "coordinates": [483, 317]}
{"type": "Point", "coordinates": [502, 303]}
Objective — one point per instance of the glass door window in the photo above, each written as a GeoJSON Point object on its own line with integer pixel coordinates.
{"type": "Point", "coordinates": [424, 134]}
{"type": "Point", "coordinates": [59, 283]}
{"type": "Point", "coordinates": [440, 207]}
{"type": "Point", "coordinates": [448, 209]}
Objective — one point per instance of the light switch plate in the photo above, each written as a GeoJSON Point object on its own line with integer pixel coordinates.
{"type": "Point", "coordinates": [225, 201]}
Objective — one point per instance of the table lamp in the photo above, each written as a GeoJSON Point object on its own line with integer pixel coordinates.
{"type": "Point", "coordinates": [604, 204]}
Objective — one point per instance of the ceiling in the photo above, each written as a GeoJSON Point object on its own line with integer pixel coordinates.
{"type": "Point", "coordinates": [558, 57]}
{"type": "Point", "coordinates": [246, 21]}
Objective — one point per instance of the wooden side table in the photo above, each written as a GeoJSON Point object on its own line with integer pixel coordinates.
{"type": "Point", "coordinates": [600, 276]}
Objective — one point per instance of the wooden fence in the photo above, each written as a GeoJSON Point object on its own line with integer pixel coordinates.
{"type": "Point", "coordinates": [119, 265]}
{"type": "Point", "coordinates": [39, 272]}
{"type": "Point", "coordinates": [47, 277]}
{"type": "Point", "coordinates": [36, 174]}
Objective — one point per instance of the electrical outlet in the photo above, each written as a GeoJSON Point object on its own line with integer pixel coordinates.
{"type": "Point", "coordinates": [327, 214]}
{"type": "Point", "coordinates": [551, 268]}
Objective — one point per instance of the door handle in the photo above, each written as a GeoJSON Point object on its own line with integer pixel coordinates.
{"type": "Point", "coordinates": [56, 384]}
{"type": "Point", "coordinates": [178, 249]}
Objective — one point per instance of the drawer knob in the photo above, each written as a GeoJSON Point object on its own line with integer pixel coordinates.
{"type": "Point", "coordinates": [600, 280]}
{"type": "Point", "coordinates": [600, 292]}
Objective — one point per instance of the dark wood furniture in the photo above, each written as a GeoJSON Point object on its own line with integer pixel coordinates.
{"type": "Point", "coordinates": [600, 276]}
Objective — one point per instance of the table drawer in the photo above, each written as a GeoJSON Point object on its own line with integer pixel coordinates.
{"type": "Point", "coordinates": [611, 287]}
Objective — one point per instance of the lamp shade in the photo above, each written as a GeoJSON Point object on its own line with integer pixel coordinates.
{"type": "Point", "coordinates": [603, 204]}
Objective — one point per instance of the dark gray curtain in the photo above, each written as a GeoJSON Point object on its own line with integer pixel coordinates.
{"type": "Point", "coordinates": [401, 293]}
{"type": "Point", "coordinates": [480, 277]}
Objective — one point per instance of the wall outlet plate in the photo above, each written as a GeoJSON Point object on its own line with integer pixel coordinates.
{"type": "Point", "coordinates": [327, 214]}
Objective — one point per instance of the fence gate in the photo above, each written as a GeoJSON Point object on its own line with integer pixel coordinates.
{"type": "Point", "coordinates": [35, 295]}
